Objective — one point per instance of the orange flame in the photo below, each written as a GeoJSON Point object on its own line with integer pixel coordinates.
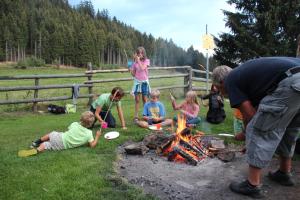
{"type": "Point", "coordinates": [181, 121]}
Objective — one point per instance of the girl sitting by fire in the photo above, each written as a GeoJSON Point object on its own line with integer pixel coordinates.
{"type": "Point", "coordinates": [189, 107]}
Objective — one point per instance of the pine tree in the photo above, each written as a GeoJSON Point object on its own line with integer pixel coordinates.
{"type": "Point", "coordinates": [259, 28]}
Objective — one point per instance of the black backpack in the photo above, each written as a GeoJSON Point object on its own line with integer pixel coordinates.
{"type": "Point", "coordinates": [56, 109]}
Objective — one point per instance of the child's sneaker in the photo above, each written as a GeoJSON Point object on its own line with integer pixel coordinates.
{"type": "Point", "coordinates": [26, 153]}
{"type": "Point", "coordinates": [281, 178]}
{"type": "Point", "coordinates": [34, 145]}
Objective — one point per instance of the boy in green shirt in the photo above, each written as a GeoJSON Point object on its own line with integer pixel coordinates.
{"type": "Point", "coordinates": [77, 135]}
{"type": "Point", "coordinates": [101, 107]}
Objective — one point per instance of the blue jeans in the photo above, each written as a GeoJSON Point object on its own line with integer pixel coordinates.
{"type": "Point", "coordinates": [195, 120]}
{"type": "Point", "coordinates": [110, 120]}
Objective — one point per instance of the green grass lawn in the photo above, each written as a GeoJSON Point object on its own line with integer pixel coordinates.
{"type": "Point", "coordinates": [80, 173]}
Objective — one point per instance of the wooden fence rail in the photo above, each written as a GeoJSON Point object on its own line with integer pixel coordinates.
{"type": "Point", "coordinates": [185, 71]}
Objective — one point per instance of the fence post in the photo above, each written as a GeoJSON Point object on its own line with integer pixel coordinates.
{"type": "Point", "coordinates": [190, 78]}
{"type": "Point", "coordinates": [90, 88]}
{"type": "Point", "coordinates": [90, 68]}
{"type": "Point", "coordinates": [35, 95]}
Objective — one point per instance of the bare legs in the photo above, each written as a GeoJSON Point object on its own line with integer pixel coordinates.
{"type": "Point", "coordinates": [41, 147]}
{"type": "Point", "coordinates": [137, 104]}
{"type": "Point", "coordinates": [285, 164]}
{"type": "Point", "coordinates": [45, 137]}
{"type": "Point", "coordinates": [255, 173]}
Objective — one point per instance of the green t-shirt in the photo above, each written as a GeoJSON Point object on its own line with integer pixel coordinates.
{"type": "Point", "coordinates": [77, 135]}
{"type": "Point", "coordinates": [104, 101]}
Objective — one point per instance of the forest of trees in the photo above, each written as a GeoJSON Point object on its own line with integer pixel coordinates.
{"type": "Point", "coordinates": [259, 28]}
{"type": "Point", "coordinates": [56, 32]}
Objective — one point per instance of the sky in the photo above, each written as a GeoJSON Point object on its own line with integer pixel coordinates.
{"type": "Point", "coordinates": [183, 21]}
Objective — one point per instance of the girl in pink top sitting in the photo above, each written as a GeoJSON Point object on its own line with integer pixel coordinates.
{"type": "Point", "coordinates": [139, 71]}
{"type": "Point", "coordinates": [189, 107]}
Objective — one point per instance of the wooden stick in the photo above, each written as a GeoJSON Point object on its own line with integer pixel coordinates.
{"type": "Point", "coordinates": [109, 108]}
{"type": "Point", "coordinates": [202, 67]}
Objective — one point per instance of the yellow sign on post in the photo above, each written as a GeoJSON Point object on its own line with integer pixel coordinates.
{"type": "Point", "coordinates": [208, 41]}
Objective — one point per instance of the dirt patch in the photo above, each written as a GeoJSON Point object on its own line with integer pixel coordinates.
{"type": "Point", "coordinates": [208, 180]}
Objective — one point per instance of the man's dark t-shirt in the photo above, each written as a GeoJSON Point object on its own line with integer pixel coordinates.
{"type": "Point", "coordinates": [253, 79]}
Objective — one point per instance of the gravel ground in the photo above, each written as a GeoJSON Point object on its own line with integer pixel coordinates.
{"type": "Point", "coordinates": [208, 180]}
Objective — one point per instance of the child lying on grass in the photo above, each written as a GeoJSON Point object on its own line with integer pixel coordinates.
{"type": "Point", "coordinates": [77, 135]}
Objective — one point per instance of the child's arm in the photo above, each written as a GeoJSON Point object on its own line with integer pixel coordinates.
{"type": "Point", "coordinates": [132, 71]}
{"type": "Point", "coordinates": [146, 118]}
{"type": "Point", "coordinates": [121, 116]}
{"type": "Point", "coordinates": [97, 114]}
{"type": "Point", "coordinates": [187, 114]}
{"type": "Point", "coordinates": [205, 96]}
{"type": "Point", "coordinates": [94, 143]}
{"type": "Point", "coordinates": [175, 106]}
{"type": "Point", "coordinates": [192, 113]}
{"type": "Point", "coordinates": [142, 65]}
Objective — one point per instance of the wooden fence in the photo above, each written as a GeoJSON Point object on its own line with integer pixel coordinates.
{"type": "Point", "coordinates": [185, 71]}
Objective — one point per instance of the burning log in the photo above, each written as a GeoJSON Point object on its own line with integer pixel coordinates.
{"type": "Point", "coordinates": [189, 147]}
{"type": "Point", "coordinates": [183, 146]}
{"type": "Point", "coordinates": [165, 145]}
{"type": "Point", "coordinates": [154, 140]}
{"type": "Point", "coordinates": [185, 132]}
{"type": "Point", "coordinates": [199, 146]}
{"type": "Point", "coordinates": [177, 150]}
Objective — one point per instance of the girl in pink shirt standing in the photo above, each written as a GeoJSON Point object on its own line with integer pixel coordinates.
{"type": "Point", "coordinates": [189, 107]}
{"type": "Point", "coordinates": [139, 71]}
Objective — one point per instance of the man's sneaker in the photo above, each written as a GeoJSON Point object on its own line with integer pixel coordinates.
{"type": "Point", "coordinates": [281, 178]}
{"type": "Point", "coordinates": [26, 153]}
{"type": "Point", "coordinates": [34, 145]}
{"type": "Point", "coordinates": [246, 188]}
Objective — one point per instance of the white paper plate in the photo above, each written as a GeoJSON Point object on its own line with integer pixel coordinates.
{"type": "Point", "coordinates": [154, 128]}
{"type": "Point", "coordinates": [111, 135]}
{"type": "Point", "coordinates": [226, 135]}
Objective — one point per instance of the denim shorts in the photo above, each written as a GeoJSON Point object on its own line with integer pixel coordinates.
{"type": "Point", "coordinates": [142, 87]}
{"type": "Point", "coordinates": [275, 127]}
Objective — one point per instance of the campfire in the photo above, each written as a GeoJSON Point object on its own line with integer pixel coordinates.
{"type": "Point", "coordinates": [183, 146]}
